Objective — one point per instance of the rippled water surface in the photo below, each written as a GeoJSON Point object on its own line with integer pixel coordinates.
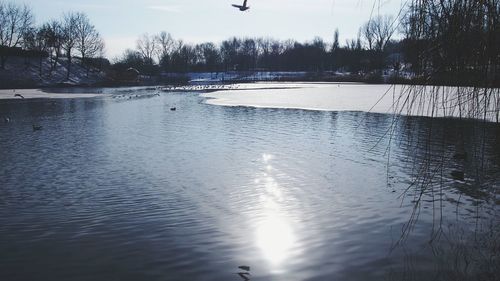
{"type": "Point", "coordinates": [119, 188]}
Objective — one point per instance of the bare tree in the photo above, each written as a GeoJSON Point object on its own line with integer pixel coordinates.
{"type": "Point", "coordinates": [368, 33]}
{"type": "Point", "coordinates": [54, 36]}
{"type": "Point", "coordinates": [384, 30]}
{"type": "Point", "coordinates": [101, 54]}
{"type": "Point", "coordinates": [147, 47]}
{"type": "Point", "coordinates": [88, 41]}
{"type": "Point", "coordinates": [264, 46]}
{"type": "Point", "coordinates": [249, 52]}
{"type": "Point", "coordinates": [69, 31]}
{"type": "Point", "coordinates": [15, 22]}
{"type": "Point", "coordinates": [210, 55]}
{"type": "Point", "coordinates": [229, 52]}
{"type": "Point", "coordinates": [35, 40]}
{"type": "Point", "coordinates": [165, 44]}
{"type": "Point", "coordinates": [378, 31]}
{"type": "Point", "coordinates": [335, 45]}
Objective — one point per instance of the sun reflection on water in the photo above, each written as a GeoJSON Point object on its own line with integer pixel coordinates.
{"type": "Point", "coordinates": [275, 238]}
{"type": "Point", "coordinates": [274, 234]}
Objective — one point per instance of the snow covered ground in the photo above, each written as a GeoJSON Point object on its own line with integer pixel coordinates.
{"type": "Point", "coordinates": [25, 73]}
{"type": "Point", "coordinates": [39, 94]}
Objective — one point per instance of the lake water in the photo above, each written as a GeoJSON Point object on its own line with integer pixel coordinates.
{"type": "Point", "coordinates": [121, 187]}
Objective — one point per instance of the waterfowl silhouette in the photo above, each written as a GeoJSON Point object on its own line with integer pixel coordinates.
{"type": "Point", "coordinates": [244, 267]}
{"type": "Point", "coordinates": [243, 7]}
{"type": "Point", "coordinates": [460, 156]}
{"type": "Point", "coordinates": [37, 127]}
{"type": "Point", "coordinates": [458, 175]}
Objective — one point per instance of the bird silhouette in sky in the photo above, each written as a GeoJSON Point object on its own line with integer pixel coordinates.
{"type": "Point", "coordinates": [243, 7]}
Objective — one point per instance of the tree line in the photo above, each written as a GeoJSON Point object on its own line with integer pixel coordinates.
{"type": "Point", "coordinates": [451, 42]}
{"type": "Point", "coordinates": [443, 42]}
{"type": "Point", "coordinates": [161, 52]}
{"type": "Point", "coordinates": [70, 36]}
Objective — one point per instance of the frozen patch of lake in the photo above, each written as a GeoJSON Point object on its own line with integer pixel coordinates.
{"type": "Point", "coordinates": [392, 99]}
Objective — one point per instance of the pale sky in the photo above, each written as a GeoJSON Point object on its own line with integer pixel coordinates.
{"type": "Point", "coordinates": [121, 22]}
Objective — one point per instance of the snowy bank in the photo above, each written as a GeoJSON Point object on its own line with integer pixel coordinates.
{"type": "Point", "coordinates": [39, 94]}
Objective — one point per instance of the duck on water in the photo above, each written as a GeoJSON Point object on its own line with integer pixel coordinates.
{"type": "Point", "coordinates": [37, 127]}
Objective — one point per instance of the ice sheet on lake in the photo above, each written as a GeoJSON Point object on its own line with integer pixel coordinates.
{"type": "Point", "coordinates": [398, 99]}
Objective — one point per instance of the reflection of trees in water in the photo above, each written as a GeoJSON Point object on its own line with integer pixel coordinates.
{"type": "Point", "coordinates": [454, 166]}
{"type": "Point", "coordinates": [452, 42]}
{"type": "Point", "coordinates": [466, 256]}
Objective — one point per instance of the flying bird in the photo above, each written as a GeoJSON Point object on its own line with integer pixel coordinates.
{"type": "Point", "coordinates": [244, 267]}
{"type": "Point", "coordinates": [243, 7]}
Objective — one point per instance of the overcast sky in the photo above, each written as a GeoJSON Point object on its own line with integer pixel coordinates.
{"type": "Point", "coordinates": [121, 21]}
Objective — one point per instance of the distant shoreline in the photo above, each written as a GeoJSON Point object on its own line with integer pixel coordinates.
{"type": "Point", "coordinates": [92, 91]}
{"type": "Point", "coordinates": [228, 77]}
{"type": "Point", "coordinates": [23, 94]}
